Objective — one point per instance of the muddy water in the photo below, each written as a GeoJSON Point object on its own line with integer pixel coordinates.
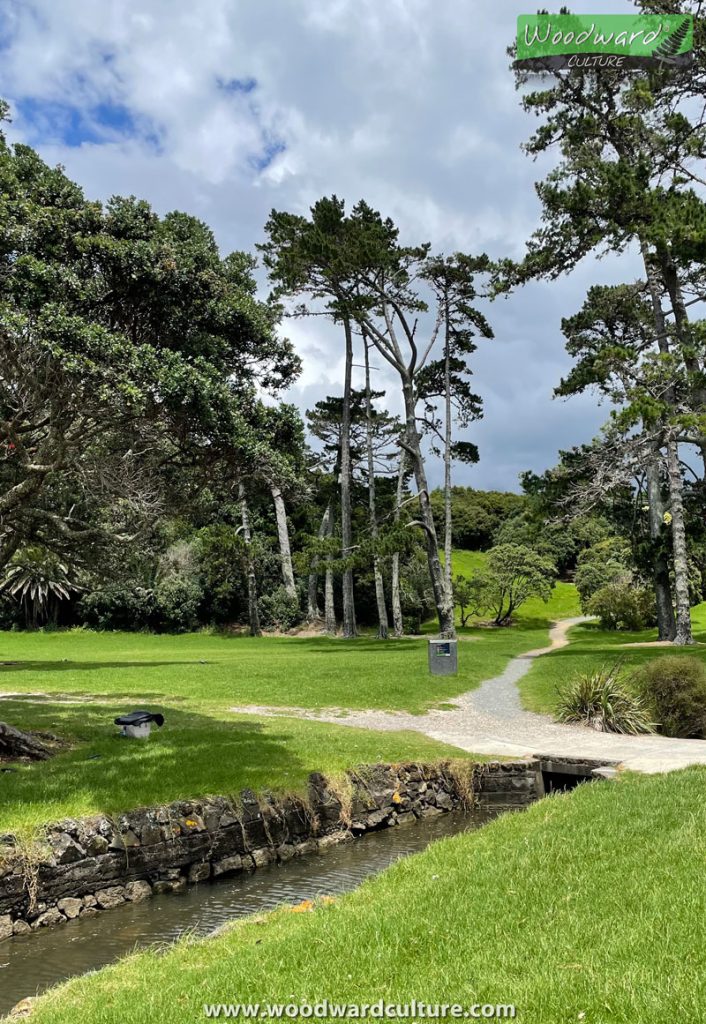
{"type": "Point", "coordinates": [31, 963]}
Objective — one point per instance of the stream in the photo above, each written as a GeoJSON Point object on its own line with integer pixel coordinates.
{"type": "Point", "coordinates": [31, 963]}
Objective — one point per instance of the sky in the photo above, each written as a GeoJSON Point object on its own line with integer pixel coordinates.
{"type": "Point", "coordinates": [230, 108]}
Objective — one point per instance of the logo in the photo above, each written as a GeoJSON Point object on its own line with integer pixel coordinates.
{"type": "Point", "coordinates": [548, 42]}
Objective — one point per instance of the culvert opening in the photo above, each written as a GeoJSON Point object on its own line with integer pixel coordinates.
{"type": "Point", "coordinates": [560, 774]}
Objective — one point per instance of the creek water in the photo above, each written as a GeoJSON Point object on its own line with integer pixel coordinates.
{"type": "Point", "coordinates": [31, 963]}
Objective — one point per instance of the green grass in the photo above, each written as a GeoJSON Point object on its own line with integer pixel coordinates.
{"type": "Point", "coordinates": [193, 755]}
{"type": "Point", "coordinates": [590, 648]}
{"type": "Point", "coordinates": [583, 908]}
{"type": "Point", "coordinates": [195, 679]}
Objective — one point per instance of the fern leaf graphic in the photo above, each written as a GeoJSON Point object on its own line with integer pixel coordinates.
{"type": "Point", "coordinates": [669, 49]}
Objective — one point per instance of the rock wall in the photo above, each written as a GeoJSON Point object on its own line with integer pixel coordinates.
{"type": "Point", "coordinates": [81, 867]}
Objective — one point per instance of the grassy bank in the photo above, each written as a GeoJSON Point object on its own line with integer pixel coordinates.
{"type": "Point", "coordinates": [192, 755]}
{"type": "Point", "coordinates": [590, 648]}
{"type": "Point", "coordinates": [583, 908]}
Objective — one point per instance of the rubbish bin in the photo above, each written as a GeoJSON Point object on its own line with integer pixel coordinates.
{"type": "Point", "coordinates": [443, 657]}
{"type": "Point", "coordinates": [137, 724]}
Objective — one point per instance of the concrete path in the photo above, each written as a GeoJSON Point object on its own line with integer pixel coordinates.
{"type": "Point", "coordinates": [491, 720]}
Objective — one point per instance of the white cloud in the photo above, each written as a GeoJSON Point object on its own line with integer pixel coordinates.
{"type": "Point", "coordinates": [408, 103]}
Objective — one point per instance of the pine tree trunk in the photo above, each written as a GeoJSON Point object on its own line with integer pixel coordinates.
{"type": "Point", "coordinates": [313, 612]}
{"type": "Point", "coordinates": [666, 623]}
{"type": "Point", "coordinates": [397, 621]}
{"type": "Point", "coordinates": [683, 635]}
{"type": "Point", "coordinates": [253, 613]}
{"type": "Point", "coordinates": [443, 600]}
{"type": "Point", "coordinates": [349, 624]}
{"type": "Point", "coordinates": [329, 605]}
{"type": "Point", "coordinates": [383, 626]}
{"type": "Point", "coordinates": [448, 525]}
{"type": "Point", "coordinates": [285, 550]}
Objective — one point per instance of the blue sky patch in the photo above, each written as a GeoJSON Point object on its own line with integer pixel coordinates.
{"type": "Point", "coordinates": [270, 150]}
{"type": "Point", "coordinates": [51, 121]}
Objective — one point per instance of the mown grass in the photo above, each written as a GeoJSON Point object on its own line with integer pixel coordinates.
{"type": "Point", "coordinates": [220, 671]}
{"type": "Point", "coordinates": [192, 755]}
{"type": "Point", "coordinates": [590, 648]}
{"type": "Point", "coordinates": [74, 683]}
{"type": "Point", "coordinates": [585, 908]}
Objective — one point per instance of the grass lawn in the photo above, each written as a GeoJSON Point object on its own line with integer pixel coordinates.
{"type": "Point", "coordinates": [74, 683]}
{"type": "Point", "coordinates": [194, 754]}
{"type": "Point", "coordinates": [586, 907]}
{"type": "Point", "coordinates": [590, 648]}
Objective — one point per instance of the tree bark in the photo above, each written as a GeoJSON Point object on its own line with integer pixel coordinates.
{"type": "Point", "coordinates": [447, 454]}
{"type": "Point", "coordinates": [383, 625]}
{"type": "Point", "coordinates": [683, 635]}
{"type": "Point", "coordinates": [397, 621]}
{"type": "Point", "coordinates": [329, 605]}
{"type": "Point", "coordinates": [285, 550]}
{"type": "Point", "coordinates": [14, 744]}
{"type": "Point", "coordinates": [253, 613]}
{"type": "Point", "coordinates": [349, 623]}
{"type": "Point", "coordinates": [666, 623]}
{"type": "Point", "coordinates": [443, 600]}
{"type": "Point", "coordinates": [313, 612]}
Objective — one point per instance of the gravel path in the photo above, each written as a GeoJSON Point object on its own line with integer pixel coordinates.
{"type": "Point", "coordinates": [491, 720]}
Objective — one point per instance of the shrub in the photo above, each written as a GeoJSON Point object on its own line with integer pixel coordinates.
{"type": "Point", "coordinates": [279, 610]}
{"type": "Point", "coordinates": [675, 689]}
{"type": "Point", "coordinates": [178, 599]}
{"type": "Point", "coordinates": [623, 606]}
{"type": "Point", "coordinates": [597, 699]}
{"type": "Point", "coordinates": [118, 606]}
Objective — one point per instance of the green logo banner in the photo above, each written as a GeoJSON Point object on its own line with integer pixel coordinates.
{"type": "Point", "coordinates": [546, 42]}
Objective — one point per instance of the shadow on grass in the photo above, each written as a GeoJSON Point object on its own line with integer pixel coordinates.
{"type": "Point", "coordinates": [72, 666]}
{"type": "Point", "coordinates": [192, 755]}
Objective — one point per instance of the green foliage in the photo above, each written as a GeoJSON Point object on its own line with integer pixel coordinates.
{"type": "Point", "coordinates": [121, 606]}
{"type": "Point", "coordinates": [279, 610]}
{"type": "Point", "coordinates": [513, 573]}
{"type": "Point", "coordinates": [675, 689]}
{"type": "Point", "coordinates": [599, 700]}
{"type": "Point", "coordinates": [476, 515]}
{"type": "Point", "coordinates": [562, 542]}
{"type": "Point", "coordinates": [467, 595]}
{"type": "Point", "coordinates": [178, 591]}
{"type": "Point", "coordinates": [600, 565]}
{"type": "Point", "coordinates": [221, 554]}
{"type": "Point", "coordinates": [38, 580]}
{"type": "Point", "coordinates": [623, 606]}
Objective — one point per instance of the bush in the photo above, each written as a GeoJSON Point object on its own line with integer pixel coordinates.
{"type": "Point", "coordinates": [178, 599]}
{"type": "Point", "coordinates": [623, 606]}
{"type": "Point", "coordinates": [675, 689]}
{"type": "Point", "coordinates": [118, 607]}
{"type": "Point", "coordinates": [279, 610]}
{"type": "Point", "coordinates": [598, 700]}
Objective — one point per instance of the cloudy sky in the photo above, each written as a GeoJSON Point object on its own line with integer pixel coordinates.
{"type": "Point", "coordinates": [228, 108]}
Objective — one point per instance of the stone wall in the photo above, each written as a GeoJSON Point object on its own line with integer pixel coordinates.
{"type": "Point", "coordinates": [81, 867]}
